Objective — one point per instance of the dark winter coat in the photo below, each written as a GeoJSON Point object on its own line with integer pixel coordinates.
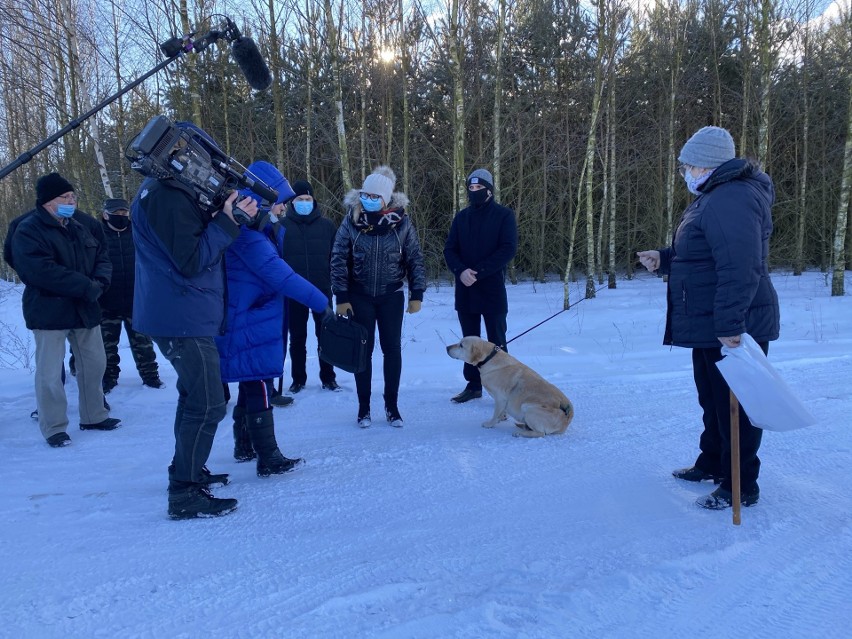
{"type": "Point", "coordinates": [719, 282]}
{"type": "Point", "coordinates": [308, 241]}
{"type": "Point", "coordinates": [85, 219]}
{"type": "Point", "coordinates": [252, 348]}
{"type": "Point", "coordinates": [484, 239]}
{"type": "Point", "coordinates": [118, 298]}
{"type": "Point", "coordinates": [180, 266]}
{"type": "Point", "coordinates": [375, 261]}
{"type": "Point", "coordinates": [64, 268]}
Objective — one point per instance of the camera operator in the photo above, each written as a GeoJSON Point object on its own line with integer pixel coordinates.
{"type": "Point", "coordinates": [180, 301]}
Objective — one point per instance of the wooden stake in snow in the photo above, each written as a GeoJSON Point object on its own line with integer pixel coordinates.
{"type": "Point", "coordinates": [735, 458]}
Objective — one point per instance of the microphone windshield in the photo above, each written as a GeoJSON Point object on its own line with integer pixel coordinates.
{"type": "Point", "coordinates": [251, 63]}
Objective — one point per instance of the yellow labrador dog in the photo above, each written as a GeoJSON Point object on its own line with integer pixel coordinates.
{"type": "Point", "coordinates": [538, 407]}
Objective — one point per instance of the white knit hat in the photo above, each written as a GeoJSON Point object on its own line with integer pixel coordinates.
{"type": "Point", "coordinates": [380, 182]}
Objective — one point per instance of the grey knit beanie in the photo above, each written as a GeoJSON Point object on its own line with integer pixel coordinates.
{"type": "Point", "coordinates": [708, 148]}
{"type": "Point", "coordinates": [483, 177]}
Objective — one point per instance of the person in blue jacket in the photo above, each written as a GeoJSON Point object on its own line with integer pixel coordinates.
{"type": "Point", "coordinates": [179, 300]}
{"type": "Point", "coordinates": [251, 352]}
{"type": "Point", "coordinates": [718, 289]}
{"type": "Point", "coordinates": [483, 240]}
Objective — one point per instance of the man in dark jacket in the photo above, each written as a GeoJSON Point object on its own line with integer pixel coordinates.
{"type": "Point", "coordinates": [483, 240]}
{"type": "Point", "coordinates": [179, 300]}
{"type": "Point", "coordinates": [117, 301]}
{"type": "Point", "coordinates": [65, 270]}
{"type": "Point", "coordinates": [718, 289]}
{"type": "Point", "coordinates": [308, 240]}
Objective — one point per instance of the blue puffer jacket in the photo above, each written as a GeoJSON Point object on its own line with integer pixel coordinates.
{"type": "Point", "coordinates": [180, 273]}
{"type": "Point", "coordinates": [718, 270]}
{"type": "Point", "coordinates": [253, 346]}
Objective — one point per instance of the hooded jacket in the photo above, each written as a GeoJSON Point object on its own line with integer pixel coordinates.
{"type": "Point", "coordinates": [719, 283]}
{"type": "Point", "coordinates": [378, 259]}
{"type": "Point", "coordinates": [64, 268]}
{"type": "Point", "coordinates": [252, 348]}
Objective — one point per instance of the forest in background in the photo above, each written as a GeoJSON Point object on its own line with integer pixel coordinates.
{"type": "Point", "coordinates": [578, 109]}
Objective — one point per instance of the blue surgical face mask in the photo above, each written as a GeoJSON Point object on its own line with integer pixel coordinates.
{"type": "Point", "coordinates": [303, 207]}
{"type": "Point", "coordinates": [370, 204]}
{"type": "Point", "coordinates": [65, 210]}
{"type": "Point", "coordinates": [694, 183]}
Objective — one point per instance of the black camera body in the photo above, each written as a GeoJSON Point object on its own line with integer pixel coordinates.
{"type": "Point", "coordinates": [165, 151]}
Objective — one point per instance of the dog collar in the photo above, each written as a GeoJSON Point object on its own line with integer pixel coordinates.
{"type": "Point", "coordinates": [488, 359]}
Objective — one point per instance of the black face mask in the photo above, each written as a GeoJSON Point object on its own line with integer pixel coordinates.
{"type": "Point", "coordinates": [118, 222]}
{"type": "Point", "coordinates": [479, 197]}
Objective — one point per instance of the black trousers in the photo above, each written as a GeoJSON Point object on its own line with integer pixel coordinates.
{"type": "Point", "coordinates": [384, 312]}
{"type": "Point", "coordinates": [200, 406]}
{"type": "Point", "coordinates": [495, 329]}
{"type": "Point", "coordinates": [715, 442]}
{"type": "Point", "coordinates": [297, 320]}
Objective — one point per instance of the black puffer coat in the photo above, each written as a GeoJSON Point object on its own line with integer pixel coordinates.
{"type": "Point", "coordinates": [484, 239]}
{"type": "Point", "coordinates": [118, 298]}
{"type": "Point", "coordinates": [59, 264]}
{"type": "Point", "coordinates": [719, 282]}
{"type": "Point", "coordinates": [375, 261]}
{"type": "Point", "coordinates": [308, 240]}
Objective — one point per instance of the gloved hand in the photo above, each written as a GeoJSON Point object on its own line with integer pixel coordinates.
{"type": "Point", "coordinates": [94, 291]}
{"type": "Point", "coordinates": [345, 309]}
{"type": "Point", "coordinates": [414, 306]}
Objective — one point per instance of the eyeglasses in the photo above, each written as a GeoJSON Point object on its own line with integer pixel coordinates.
{"type": "Point", "coordinates": [683, 168]}
{"type": "Point", "coordinates": [370, 196]}
{"type": "Point", "coordinates": [67, 197]}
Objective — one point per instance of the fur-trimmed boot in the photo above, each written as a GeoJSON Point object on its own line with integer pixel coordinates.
{"type": "Point", "coordinates": [270, 461]}
{"type": "Point", "coordinates": [243, 450]}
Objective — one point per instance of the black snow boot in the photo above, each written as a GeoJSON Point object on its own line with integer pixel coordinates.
{"type": "Point", "coordinates": [270, 461]}
{"type": "Point", "coordinates": [206, 478]}
{"type": "Point", "coordinates": [243, 451]}
{"type": "Point", "coordinates": [188, 501]}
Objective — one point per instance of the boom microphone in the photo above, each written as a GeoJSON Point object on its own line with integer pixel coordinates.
{"type": "Point", "coordinates": [251, 63]}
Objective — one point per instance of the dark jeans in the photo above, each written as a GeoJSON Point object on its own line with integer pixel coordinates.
{"type": "Point", "coordinates": [253, 396]}
{"type": "Point", "coordinates": [495, 329]}
{"type": "Point", "coordinates": [384, 311]}
{"type": "Point", "coordinates": [297, 318]}
{"type": "Point", "coordinates": [140, 346]}
{"type": "Point", "coordinates": [715, 443]}
{"type": "Point", "coordinates": [200, 406]}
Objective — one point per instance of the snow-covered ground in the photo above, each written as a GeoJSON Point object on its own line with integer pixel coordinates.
{"type": "Point", "coordinates": [445, 529]}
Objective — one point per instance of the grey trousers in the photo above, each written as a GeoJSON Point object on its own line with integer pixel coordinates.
{"type": "Point", "coordinates": [52, 404]}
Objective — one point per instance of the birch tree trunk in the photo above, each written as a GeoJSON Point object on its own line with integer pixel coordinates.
{"type": "Point", "coordinates": [334, 53]}
{"type": "Point", "coordinates": [498, 96]}
{"type": "Point", "coordinates": [456, 55]}
{"type": "Point", "coordinates": [191, 65]}
{"type": "Point", "coordinates": [277, 91]}
{"type": "Point", "coordinates": [309, 75]}
{"type": "Point", "coordinates": [799, 259]}
{"type": "Point", "coordinates": [766, 63]}
{"type": "Point", "coordinates": [406, 116]}
{"type": "Point", "coordinates": [839, 251]}
{"type": "Point", "coordinates": [121, 116]}
{"type": "Point", "coordinates": [612, 183]}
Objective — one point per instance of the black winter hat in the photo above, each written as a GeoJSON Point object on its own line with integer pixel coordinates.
{"type": "Point", "coordinates": [303, 188]}
{"type": "Point", "coordinates": [112, 205]}
{"type": "Point", "coordinates": [50, 186]}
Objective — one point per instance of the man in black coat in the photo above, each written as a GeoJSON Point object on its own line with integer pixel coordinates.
{"type": "Point", "coordinates": [308, 239]}
{"type": "Point", "coordinates": [483, 240]}
{"type": "Point", "coordinates": [718, 289]}
{"type": "Point", "coordinates": [117, 301]}
{"type": "Point", "coordinates": [65, 270]}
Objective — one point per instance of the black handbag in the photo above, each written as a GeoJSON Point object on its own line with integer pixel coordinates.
{"type": "Point", "coordinates": [343, 343]}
